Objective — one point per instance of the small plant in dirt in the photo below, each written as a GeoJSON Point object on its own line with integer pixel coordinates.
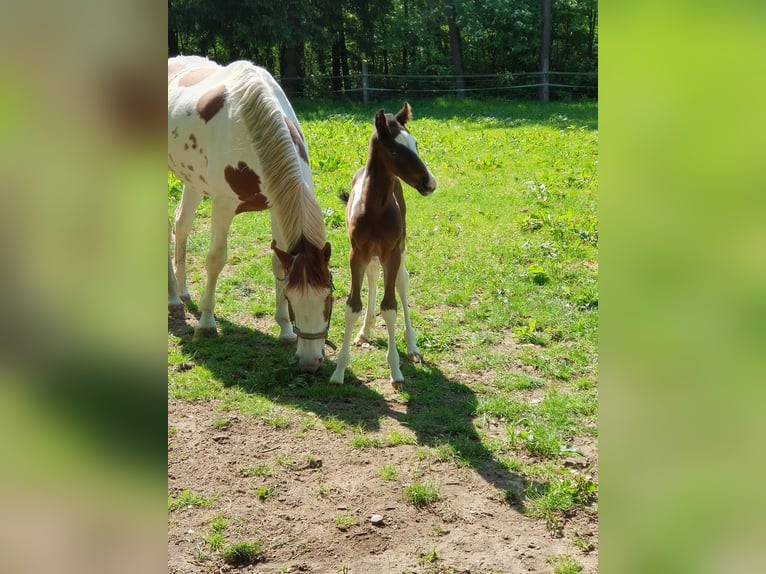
{"type": "Point", "coordinates": [421, 494]}
{"type": "Point", "coordinates": [366, 441]}
{"type": "Point", "coordinates": [396, 438]}
{"type": "Point", "coordinates": [325, 489]}
{"type": "Point", "coordinates": [215, 534]}
{"type": "Point", "coordinates": [428, 557]}
{"type": "Point", "coordinates": [344, 521]}
{"type": "Point", "coordinates": [257, 470]}
{"type": "Point", "coordinates": [188, 499]}
{"type": "Point", "coordinates": [265, 492]}
{"type": "Point", "coordinates": [241, 553]}
{"type": "Point", "coordinates": [388, 473]}
{"type": "Point", "coordinates": [221, 422]}
{"type": "Point", "coordinates": [278, 420]}
{"type": "Point", "coordinates": [561, 494]}
{"type": "Point", "coordinates": [564, 564]}
{"type": "Point", "coordinates": [285, 460]}
{"type": "Point", "coordinates": [334, 424]}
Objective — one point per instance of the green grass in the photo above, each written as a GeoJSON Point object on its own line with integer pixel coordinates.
{"type": "Point", "coordinates": [421, 494]}
{"type": "Point", "coordinates": [187, 498]}
{"type": "Point", "coordinates": [388, 473]}
{"type": "Point", "coordinates": [344, 521]}
{"type": "Point", "coordinates": [503, 263]}
{"type": "Point", "coordinates": [241, 553]}
{"type": "Point", "coordinates": [564, 564]}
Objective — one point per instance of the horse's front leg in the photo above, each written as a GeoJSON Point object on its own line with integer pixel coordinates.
{"type": "Point", "coordinates": [352, 312]}
{"type": "Point", "coordinates": [282, 314]}
{"type": "Point", "coordinates": [222, 215]}
{"type": "Point", "coordinates": [388, 312]}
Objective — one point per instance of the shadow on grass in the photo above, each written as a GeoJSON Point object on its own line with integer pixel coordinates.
{"type": "Point", "coordinates": [438, 410]}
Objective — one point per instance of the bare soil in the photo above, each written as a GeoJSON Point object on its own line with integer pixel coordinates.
{"type": "Point", "coordinates": [318, 476]}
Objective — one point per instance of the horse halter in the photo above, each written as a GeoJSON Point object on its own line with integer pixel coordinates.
{"type": "Point", "coordinates": [319, 334]}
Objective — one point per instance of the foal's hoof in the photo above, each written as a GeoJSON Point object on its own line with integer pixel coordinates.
{"type": "Point", "coordinates": [398, 385]}
{"type": "Point", "coordinates": [337, 377]}
{"type": "Point", "coordinates": [205, 333]}
{"type": "Point", "coordinates": [415, 357]}
{"type": "Point", "coordinates": [185, 297]}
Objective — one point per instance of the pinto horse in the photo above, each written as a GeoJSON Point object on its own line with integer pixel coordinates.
{"type": "Point", "coordinates": [376, 226]}
{"type": "Point", "coordinates": [234, 137]}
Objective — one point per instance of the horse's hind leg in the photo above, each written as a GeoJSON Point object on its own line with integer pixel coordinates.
{"type": "Point", "coordinates": [175, 305]}
{"type": "Point", "coordinates": [369, 317]}
{"type": "Point", "coordinates": [222, 215]}
{"type": "Point", "coordinates": [184, 216]}
{"type": "Point", "coordinates": [402, 287]}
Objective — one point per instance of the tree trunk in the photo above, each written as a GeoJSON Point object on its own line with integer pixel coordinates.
{"type": "Point", "coordinates": [456, 49]}
{"type": "Point", "coordinates": [543, 91]}
{"type": "Point", "coordinates": [291, 70]}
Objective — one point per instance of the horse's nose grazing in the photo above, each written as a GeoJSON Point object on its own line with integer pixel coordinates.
{"type": "Point", "coordinates": [311, 365]}
{"type": "Point", "coordinates": [429, 184]}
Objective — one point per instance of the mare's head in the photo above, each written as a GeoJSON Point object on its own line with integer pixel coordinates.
{"type": "Point", "coordinates": [400, 150]}
{"type": "Point", "coordinates": [309, 298]}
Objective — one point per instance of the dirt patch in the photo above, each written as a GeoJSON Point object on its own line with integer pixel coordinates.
{"type": "Point", "coordinates": [316, 476]}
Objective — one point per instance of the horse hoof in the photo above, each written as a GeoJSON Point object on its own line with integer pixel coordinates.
{"type": "Point", "coordinates": [177, 310]}
{"type": "Point", "coordinates": [336, 379]}
{"type": "Point", "coordinates": [206, 333]}
{"type": "Point", "coordinates": [415, 357]}
{"type": "Point", "coordinates": [186, 298]}
{"type": "Point", "coordinates": [398, 386]}
{"type": "Point", "coordinates": [287, 342]}
{"type": "Point", "coordinates": [361, 339]}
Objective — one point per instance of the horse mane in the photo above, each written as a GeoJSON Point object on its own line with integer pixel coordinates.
{"type": "Point", "coordinates": [308, 267]}
{"type": "Point", "coordinates": [290, 197]}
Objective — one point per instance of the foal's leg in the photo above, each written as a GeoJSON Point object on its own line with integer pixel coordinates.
{"type": "Point", "coordinates": [369, 317]}
{"type": "Point", "coordinates": [175, 305]}
{"type": "Point", "coordinates": [402, 286]}
{"type": "Point", "coordinates": [388, 312]}
{"type": "Point", "coordinates": [352, 312]}
{"type": "Point", "coordinates": [222, 214]}
{"type": "Point", "coordinates": [184, 216]}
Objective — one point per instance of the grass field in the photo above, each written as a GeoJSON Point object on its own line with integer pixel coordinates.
{"type": "Point", "coordinates": [503, 297]}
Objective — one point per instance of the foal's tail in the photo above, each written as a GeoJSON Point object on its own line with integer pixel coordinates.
{"type": "Point", "coordinates": [343, 195]}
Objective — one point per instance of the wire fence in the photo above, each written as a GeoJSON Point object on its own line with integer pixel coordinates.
{"type": "Point", "coordinates": [524, 85]}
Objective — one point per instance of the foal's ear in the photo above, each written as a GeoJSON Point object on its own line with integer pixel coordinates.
{"type": "Point", "coordinates": [283, 256]}
{"type": "Point", "coordinates": [326, 251]}
{"type": "Point", "coordinates": [381, 123]}
{"type": "Point", "coordinates": [404, 115]}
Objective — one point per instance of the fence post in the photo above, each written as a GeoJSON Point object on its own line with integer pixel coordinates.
{"type": "Point", "coordinates": [364, 82]}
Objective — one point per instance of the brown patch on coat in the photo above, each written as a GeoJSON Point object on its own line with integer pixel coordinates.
{"type": "Point", "coordinates": [298, 140]}
{"type": "Point", "coordinates": [211, 102]}
{"type": "Point", "coordinates": [193, 140]}
{"type": "Point", "coordinates": [173, 70]}
{"type": "Point", "coordinates": [247, 185]}
{"type": "Point", "coordinates": [195, 76]}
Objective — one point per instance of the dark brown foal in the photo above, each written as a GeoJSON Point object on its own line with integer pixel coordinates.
{"type": "Point", "coordinates": [375, 221]}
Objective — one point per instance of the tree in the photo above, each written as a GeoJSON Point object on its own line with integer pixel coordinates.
{"type": "Point", "coordinates": [543, 92]}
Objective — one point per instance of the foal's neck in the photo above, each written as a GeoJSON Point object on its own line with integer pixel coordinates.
{"type": "Point", "coordinates": [381, 181]}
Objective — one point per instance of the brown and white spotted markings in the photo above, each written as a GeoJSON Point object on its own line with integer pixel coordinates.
{"type": "Point", "coordinates": [233, 136]}
{"type": "Point", "coordinates": [376, 226]}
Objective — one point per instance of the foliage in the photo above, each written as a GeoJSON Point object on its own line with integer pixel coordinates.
{"type": "Point", "coordinates": [320, 40]}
